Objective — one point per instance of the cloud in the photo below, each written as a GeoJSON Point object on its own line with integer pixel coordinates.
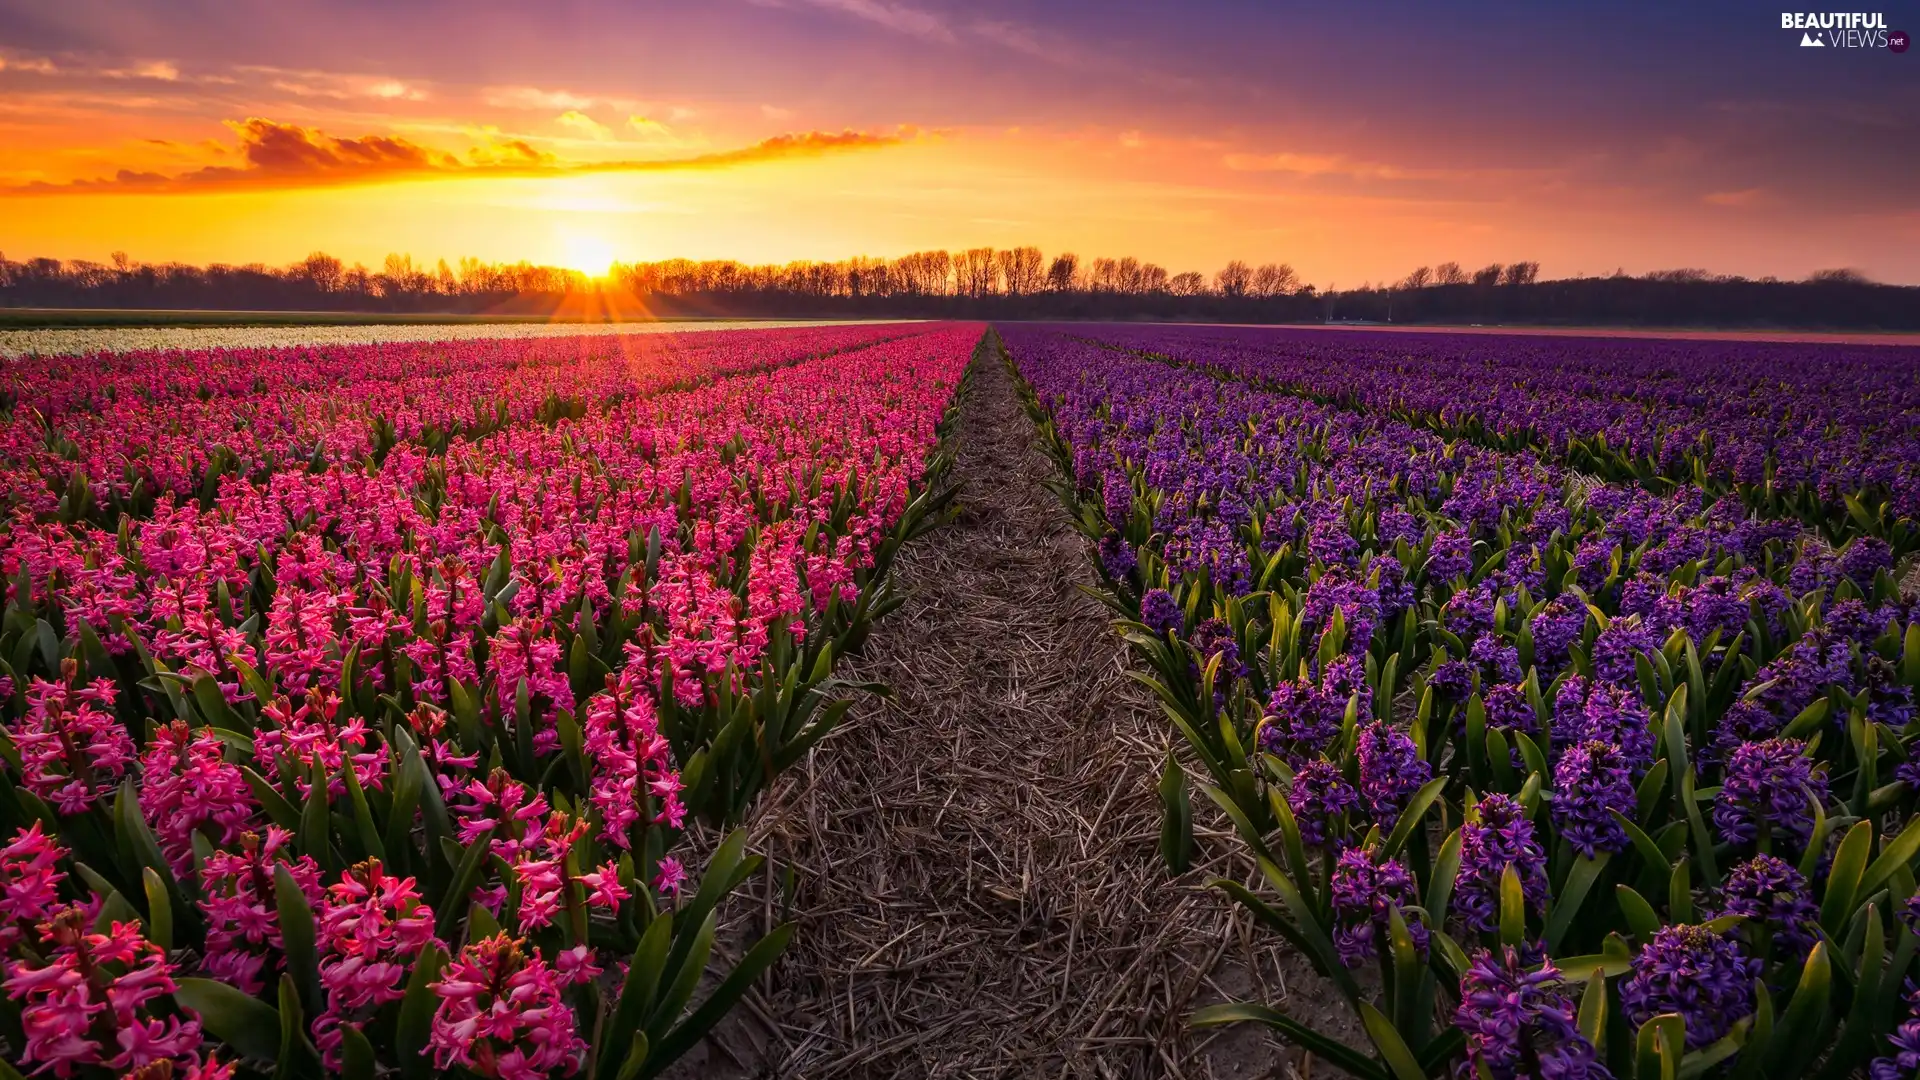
{"type": "Point", "coordinates": [537, 99]}
{"type": "Point", "coordinates": [585, 125]}
{"type": "Point", "coordinates": [335, 86]}
{"type": "Point", "coordinates": [900, 18]}
{"type": "Point", "coordinates": [37, 65]}
{"type": "Point", "coordinates": [1745, 197]}
{"type": "Point", "coordinates": [153, 69]}
{"type": "Point", "coordinates": [650, 129]}
{"type": "Point", "coordinates": [1315, 165]}
{"type": "Point", "coordinates": [281, 155]}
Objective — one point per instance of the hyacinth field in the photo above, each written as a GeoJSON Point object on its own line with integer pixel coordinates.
{"type": "Point", "coordinates": [409, 709]}
{"type": "Point", "coordinates": [358, 699]}
{"type": "Point", "coordinates": [1562, 691]}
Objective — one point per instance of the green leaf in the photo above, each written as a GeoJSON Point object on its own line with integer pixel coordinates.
{"type": "Point", "coordinates": [1446, 867]}
{"type": "Point", "coordinates": [316, 835]}
{"type": "Point", "coordinates": [466, 877]}
{"type": "Point", "coordinates": [1638, 913]}
{"type": "Point", "coordinates": [296, 936]}
{"type": "Point", "coordinates": [642, 986]}
{"type": "Point", "coordinates": [356, 1054]}
{"type": "Point", "coordinates": [1176, 822]}
{"type": "Point", "coordinates": [1513, 908]}
{"type": "Point", "coordinates": [277, 807]}
{"type": "Point", "coordinates": [1334, 1051]}
{"type": "Point", "coordinates": [1680, 894]}
{"type": "Point", "coordinates": [415, 1026]}
{"type": "Point", "coordinates": [1593, 1008]}
{"type": "Point", "coordinates": [1843, 880]}
{"type": "Point", "coordinates": [159, 909]}
{"type": "Point", "coordinates": [245, 1023]}
{"type": "Point", "coordinates": [636, 1058]}
{"type": "Point", "coordinates": [1809, 720]}
{"type": "Point", "coordinates": [758, 959]}
{"type": "Point", "coordinates": [1572, 895]}
{"type": "Point", "coordinates": [1796, 1042]}
{"type": "Point", "coordinates": [1649, 851]}
{"type": "Point", "coordinates": [130, 826]}
{"type": "Point", "coordinates": [481, 924]}
{"type": "Point", "coordinates": [693, 963]}
{"type": "Point", "coordinates": [1393, 1049]}
{"type": "Point", "coordinates": [362, 815]}
{"type": "Point", "coordinates": [1657, 1048]}
{"type": "Point", "coordinates": [1409, 820]}
{"type": "Point", "coordinates": [1898, 852]}
{"type": "Point", "coordinates": [1758, 1036]}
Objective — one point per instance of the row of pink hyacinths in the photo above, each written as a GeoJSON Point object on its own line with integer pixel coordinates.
{"type": "Point", "coordinates": [717, 519]}
{"type": "Point", "coordinates": [162, 415]}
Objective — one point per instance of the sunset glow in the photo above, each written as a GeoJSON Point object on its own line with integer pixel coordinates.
{"type": "Point", "coordinates": [1646, 139]}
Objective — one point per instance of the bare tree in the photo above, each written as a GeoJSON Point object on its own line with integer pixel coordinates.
{"type": "Point", "coordinates": [1234, 279]}
{"type": "Point", "coordinates": [1842, 275]}
{"type": "Point", "coordinates": [1521, 273]}
{"type": "Point", "coordinates": [1274, 279]}
{"type": "Point", "coordinates": [1187, 283]}
{"type": "Point", "coordinates": [1020, 269]}
{"type": "Point", "coordinates": [1105, 276]}
{"type": "Point", "coordinates": [1488, 274]}
{"type": "Point", "coordinates": [975, 271]}
{"type": "Point", "coordinates": [323, 270]}
{"type": "Point", "coordinates": [1449, 273]}
{"type": "Point", "coordinates": [925, 273]}
{"type": "Point", "coordinates": [1418, 278]}
{"type": "Point", "coordinates": [1064, 274]}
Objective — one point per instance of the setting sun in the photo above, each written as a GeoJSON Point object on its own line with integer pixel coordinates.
{"type": "Point", "coordinates": [592, 255]}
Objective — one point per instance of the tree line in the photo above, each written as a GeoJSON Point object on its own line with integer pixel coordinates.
{"type": "Point", "coordinates": [979, 282]}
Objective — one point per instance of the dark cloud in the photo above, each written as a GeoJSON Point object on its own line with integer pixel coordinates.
{"type": "Point", "coordinates": [281, 155]}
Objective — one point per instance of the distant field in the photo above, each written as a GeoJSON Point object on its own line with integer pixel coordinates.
{"type": "Point", "coordinates": [266, 329]}
{"type": "Point", "coordinates": [77, 317]}
{"type": "Point", "coordinates": [1805, 337]}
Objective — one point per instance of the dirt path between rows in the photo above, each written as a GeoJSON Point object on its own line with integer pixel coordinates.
{"type": "Point", "coordinates": [979, 887]}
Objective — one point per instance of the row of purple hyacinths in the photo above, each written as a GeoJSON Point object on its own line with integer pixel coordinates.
{"type": "Point", "coordinates": [1794, 428]}
{"type": "Point", "coordinates": [1600, 775]}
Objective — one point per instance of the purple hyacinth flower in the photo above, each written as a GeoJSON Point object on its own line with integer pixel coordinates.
{"type": "Point", "coordinates": [1508, 709]}
{"type": "Point", "coordinates": [1391, 770]}
{"type": "Point", "coordinates": [1365, 889]}
{"type": "Point", "coordinates": [1904, 1062]}
{"type": "Point", "coordinates": [1452, 681]}
{"type": "Point", "coordinates": [1520, 1023]}
{"type": "Point", "coordinates": [1320, 798]}
{"type": "Point", "coordinates": [1450, 556]}
{"type": "Point", "coordinates": [1214, 637]}
{"type": "Point", "coordinates": [1555, 627]}
{"type": "Point", "coordinates": [1497, 660]}
{"type": "Point", "coordinates": [1501, 836]}
{"type": "Point", "coordinates": [1584, 712]}
{"type": "Point", "coordinates": [1298, 723]}
{"type": "Point", "coordinates": [1864, 557]}
{"type": "Point", "coordinates": [1161, 614]}
{"type": "Point", "coordinates": [1770, 891]}
{"type": "Point", "coordinates": [1590, 783]}
{"type": "Point", "coordinates": [1116, 493]}
{"type": "Point", "coordinates": [1117, 557]}
{"type": "Point", "coordinates": [1690, 970]}
{"type": "Point", "coordinates": [1615, 650]}
{"type": "Point", "coordinates": [1767, 786]}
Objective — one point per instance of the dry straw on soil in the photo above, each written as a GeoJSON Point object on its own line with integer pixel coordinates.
{"type": "Point", "coordinates": [979, 892]}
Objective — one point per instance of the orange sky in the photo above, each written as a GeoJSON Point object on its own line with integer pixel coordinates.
{"type": "Point", "coordinates": [791, 129]}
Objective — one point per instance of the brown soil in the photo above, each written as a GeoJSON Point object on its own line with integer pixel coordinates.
{"type": "Point", "coordinates": [980, 892]}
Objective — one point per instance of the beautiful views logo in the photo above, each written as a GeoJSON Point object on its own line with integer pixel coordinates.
{"type": "Point", "coordinates": [1844, 30]}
